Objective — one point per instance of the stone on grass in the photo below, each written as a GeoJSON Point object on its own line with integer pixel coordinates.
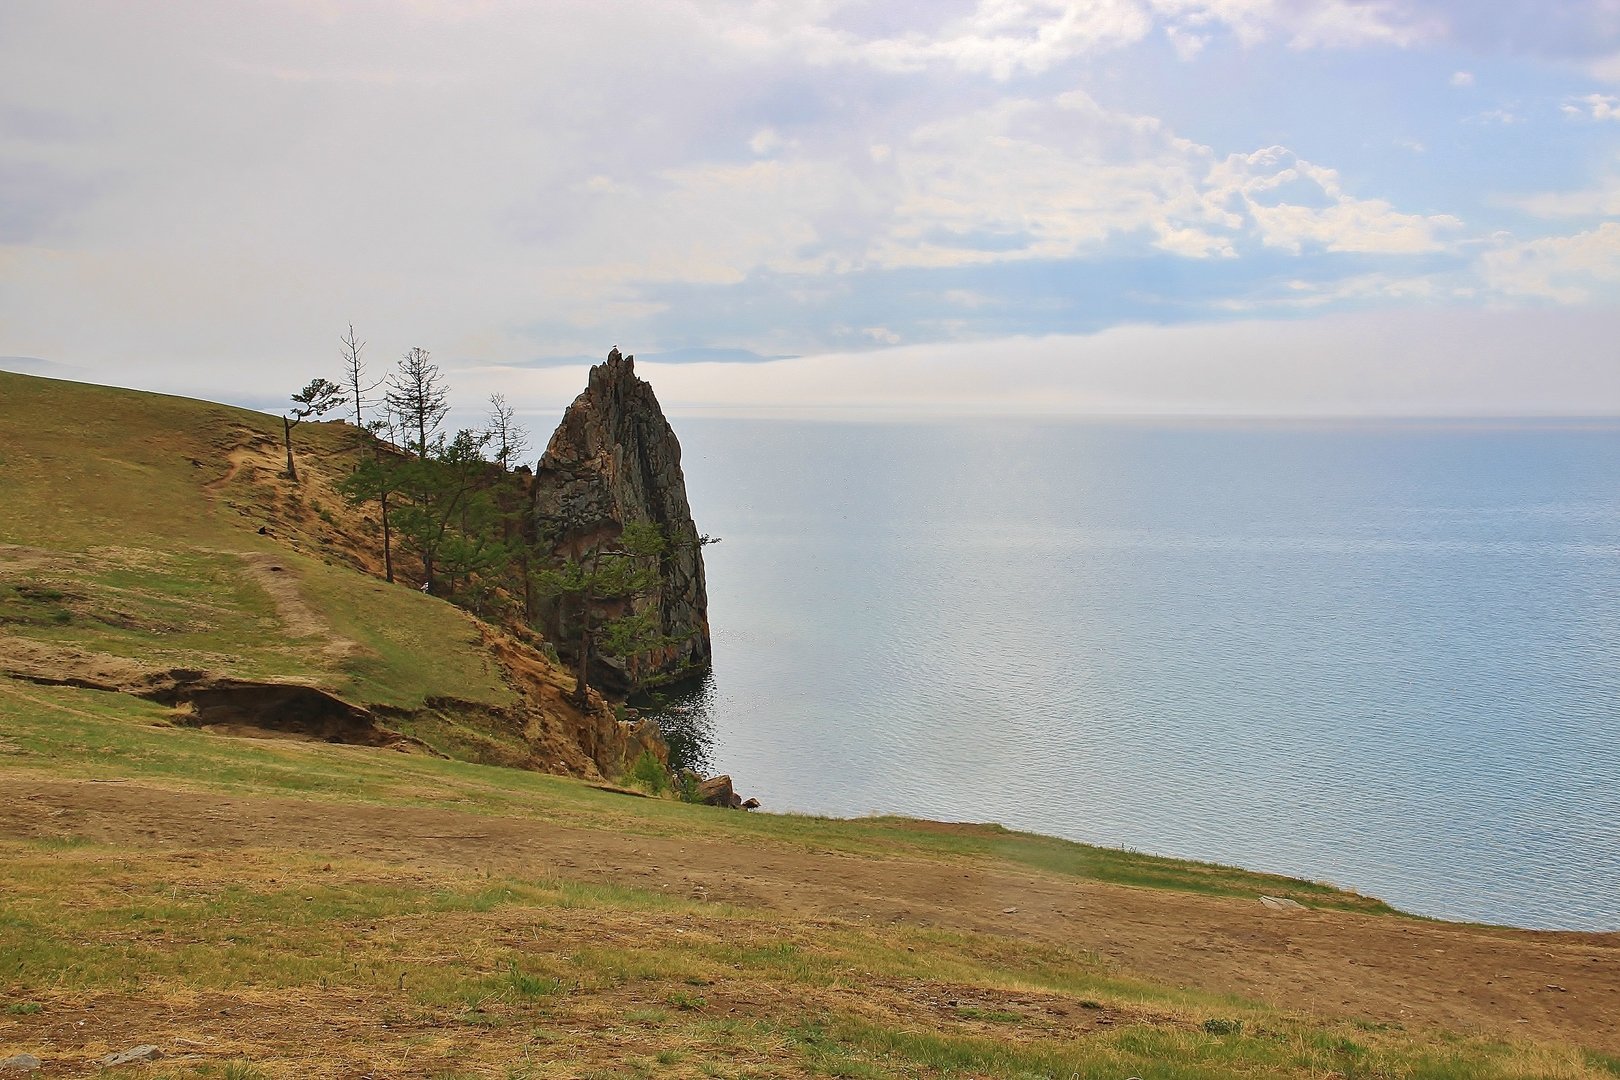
{"type": "Point", "coordinates": [21, 1063]}
{"type": "Point", "coordinates": [1277, 903]}
{"type": "Point", "coordinates": [131, 1056]}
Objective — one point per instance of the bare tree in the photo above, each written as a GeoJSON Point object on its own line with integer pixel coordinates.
{"type": "Point", "coordinates": [418, 395]}
{"type": "Point", "coordinates": [355, 377]}
{"type": "Point", "coordinates": [505, 436]}
{"type": "Point", "coordinates": [319, 397]}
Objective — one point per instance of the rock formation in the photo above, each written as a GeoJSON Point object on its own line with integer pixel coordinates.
{"type": "Point", "coordinates": [614, 461]}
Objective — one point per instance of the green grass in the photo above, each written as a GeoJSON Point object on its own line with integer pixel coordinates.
{"type": "Point", "coordinates": [93, 734]}
{"type": "Point", "coordinates": [124, 553]}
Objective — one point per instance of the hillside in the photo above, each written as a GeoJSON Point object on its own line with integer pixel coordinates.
{"type": "Point", "coordinates": [151, 545]}
{"type": "Point", "coordinates": [191, 862]}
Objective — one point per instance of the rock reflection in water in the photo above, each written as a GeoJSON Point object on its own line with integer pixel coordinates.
{"type": "Point", "coordinates": [685, 715]}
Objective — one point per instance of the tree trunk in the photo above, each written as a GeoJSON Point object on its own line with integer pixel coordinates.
{"type": "Point", "coordinates": [286, 433]}
{"type": "Point", "coordinates": [388, 544]}
{"type": "Point", "coordinates": [528, 587]}
{"type": "Point", "coordinates": [582, 663]}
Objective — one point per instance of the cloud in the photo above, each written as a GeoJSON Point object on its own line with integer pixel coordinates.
{"type": "Point", "coordinates": [1598, 200]}
{"type": "Point", "coordinates": [1294, 203]}
{"type": "Point", "coordinates": [1430, 362]}
{"type": "Point", "coordinates": [1359, 289]}
{"type": "Point", "coordinates": [1008, 38]}
{"type": "Point", "coordinates": [1462, 79]}
{"type": "Point", "coordinates": [1561, 30]}
{"type": "Point", "coordinates": [1018, 179]}
{"type": "Point", "coordinates": [203, 195]}
{"type": "Point", "coordinates": [1565, 269]}
{"type": "Point", "coordinates": [1594, 106]}
{"type": "Point", "coordinates": [1065, 177]}
{"type": "Point", "coordinates": [1003, 38]}
{"type": "Point", "coordinates": [765, 142]}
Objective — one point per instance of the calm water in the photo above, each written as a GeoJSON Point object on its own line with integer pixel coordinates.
{"type": "Point", "coordinates": [1385, 656]}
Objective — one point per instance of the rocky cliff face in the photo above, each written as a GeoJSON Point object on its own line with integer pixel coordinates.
{"type": "Point", "coordinates": [613, 461]}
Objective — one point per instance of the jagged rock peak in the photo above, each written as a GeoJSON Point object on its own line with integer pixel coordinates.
{"type": "Point", "coordinates": [612, 461]}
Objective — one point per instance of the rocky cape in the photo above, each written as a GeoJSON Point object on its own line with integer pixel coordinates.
{"type": "Point", "coordinates": [613, 461]}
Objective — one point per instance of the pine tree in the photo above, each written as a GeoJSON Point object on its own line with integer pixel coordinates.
{"type": "Point", "coordinates": [318, 398]}
{"type": "Point", "coordinates": [417, 394]}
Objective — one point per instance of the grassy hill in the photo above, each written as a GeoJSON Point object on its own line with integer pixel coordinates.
{"type": "Point", "coordinates": [268, 907]}
{"type": "Point", "coordinates": [143, 535]}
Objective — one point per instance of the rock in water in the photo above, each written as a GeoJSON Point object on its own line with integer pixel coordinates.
{"type": "Point", "coordinates": [612, 461]}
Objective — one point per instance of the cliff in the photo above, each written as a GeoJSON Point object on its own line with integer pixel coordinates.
{"type": "Point", "coordinates": [612, 462]}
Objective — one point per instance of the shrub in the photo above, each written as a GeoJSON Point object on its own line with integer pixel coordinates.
{"type": "Point", "coordinates": [647, 773]}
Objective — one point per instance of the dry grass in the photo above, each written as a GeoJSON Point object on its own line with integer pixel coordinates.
{"type": "Point", "coordinates": [279, 910]}
{"type": "Point", "coordinates": [294, 962]}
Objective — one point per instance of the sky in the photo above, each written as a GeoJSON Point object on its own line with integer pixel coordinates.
{"type": "Point", "coordinates": [825, 207]}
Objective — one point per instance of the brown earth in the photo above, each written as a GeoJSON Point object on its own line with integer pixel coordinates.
{"type": "Point", "coordinates": [1541, 985]}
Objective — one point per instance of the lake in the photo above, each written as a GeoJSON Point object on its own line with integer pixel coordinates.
{"type": "Point", "coordinates": [1383, 655]}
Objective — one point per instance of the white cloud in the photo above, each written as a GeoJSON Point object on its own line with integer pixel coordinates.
{"type": "Point", "coordinates": [1186, 43]}
{"type": "Point", "coordinates": [1351, 23]}
{"type": "Point", "coordinates": [1303, 24]}
{"type": "Point", "coordinates": [1003, 38]}
{"type": "Point", "coordinates": [1007, 38]}
{"type": "Point", "coordinates": [1600, 199]}
{"type": "Point", "coordinates": [1191, 243]}
{"type": "Point", "coordinates": [1565, 269]}
{"type": "Point", "coordinates": [1462, 79]}
{"type": "Point", "coordinates": [1606, 68]}
{"type": "Point", "coordinates": [765, 142]}
{"type": "Point", "coordinates": [1321, 212]}
{"type": "Point", "coordinates": [1594, 106]}
{"type": "Point", "coordinates": [1379, 287]}
{"type": "Point", "coordinates": [1028, 179]}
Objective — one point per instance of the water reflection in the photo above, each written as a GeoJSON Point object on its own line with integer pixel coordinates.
{"type": "Point", "coordinates": [684, 713]}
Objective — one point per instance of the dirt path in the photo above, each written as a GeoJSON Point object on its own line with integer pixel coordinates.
{"type": "Point", "coordinates": [1563, 986]}
{"type": "Point", "coordinates": [298, 619]}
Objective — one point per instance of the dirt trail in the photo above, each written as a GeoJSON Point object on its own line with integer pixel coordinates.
{"type": "Point", "coordinates": [1563, 986]}
{"type": "Point", "coordinates": [298, 619]}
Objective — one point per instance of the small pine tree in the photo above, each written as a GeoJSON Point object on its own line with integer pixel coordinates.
{"type": "Point", "coordinates": [417, 394]}
{"type": "Point", "coordinates": [321, 396]}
